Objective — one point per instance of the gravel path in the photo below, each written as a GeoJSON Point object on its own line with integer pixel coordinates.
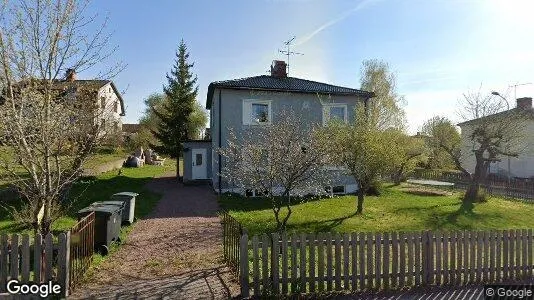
{"type": "Point", "coordinates": [175, 253]}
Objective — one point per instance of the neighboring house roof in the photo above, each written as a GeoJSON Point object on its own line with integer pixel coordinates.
{"type": "Point", "coordinates": [286, 84]}
{"type": "Point", "coordinates": [87, 84]}
{"type": "Point", "coordinates": [131, 128]}
{"type": "Point", "coordinates": [514, 112]}
{"type": "Point", "coordinates": [92, 84]}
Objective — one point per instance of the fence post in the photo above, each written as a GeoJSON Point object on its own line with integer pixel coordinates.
{"type": "Point", "coordinates": [4, 261]}
{"type": "Point", "coordinates": [243, 266]}
{"type": "Point", "coordinates": [427, 256]}
{"type": "Point", "coordinates": [64, 262]}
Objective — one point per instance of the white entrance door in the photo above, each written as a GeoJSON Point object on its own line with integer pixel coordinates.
{"type": "Point", "coordinates": [199, 164]}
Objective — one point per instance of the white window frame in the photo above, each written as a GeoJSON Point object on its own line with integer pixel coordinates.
{"type": "Point", "coordinates": [103, 102]}
{"type": "Point", "coordinates": [247, 111]}
{"type": "Point", "coordinates": [330, 190]}
{"type": "Point", "coordinates": [326, 112]}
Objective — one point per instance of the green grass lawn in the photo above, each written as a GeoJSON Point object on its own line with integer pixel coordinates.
{"type": "Point", "coordinates": [100, 159]}
{"type": "Point", "coordinates": [394, 210]}
{"type": "Point", "coordinates": [95, 160]}
{"type": "Point", "coordinates": [100, 188]}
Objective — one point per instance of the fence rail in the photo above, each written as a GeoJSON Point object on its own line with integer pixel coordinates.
{"type": "Point", "coordinates": [518, 189]}
{"type": "Point", "coordinates": [232, 232]}
{"type": "Point", "coordinates": [381, 261]}
{"type": "Point", "coordinates": [34, 260]}
{"type": "Point", "coordinates": [81, 248]}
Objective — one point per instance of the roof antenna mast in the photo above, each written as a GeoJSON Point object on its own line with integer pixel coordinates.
{"type": "Point", "coordinates": [515, 87]}
{"type": "Point", "coordinates": [288, 51]}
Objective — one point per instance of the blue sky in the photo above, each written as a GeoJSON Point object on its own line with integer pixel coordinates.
{"type": "Point", "coordinates": [439, 49]}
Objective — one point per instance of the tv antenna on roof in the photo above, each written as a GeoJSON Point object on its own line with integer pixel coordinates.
{"type": "Point", "coordinates": [515, 87]}
{"type": "Point", "coordinates": [288, 51]}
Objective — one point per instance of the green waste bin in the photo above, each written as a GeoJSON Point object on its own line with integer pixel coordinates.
{"type": "Point", "coordinates": [119, 204]}
{"type": "Point", "coordinates": [107, 225]}
{"type": "Point", "coordinates": [129, 204]}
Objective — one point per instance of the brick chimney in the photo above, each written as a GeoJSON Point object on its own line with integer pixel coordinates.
{"type": "Point", "coordinates": [524, 103]}
{"type": "Point", "coordinates": [70, 75]}
{"type": "Point", "coordinates": [279, 69]}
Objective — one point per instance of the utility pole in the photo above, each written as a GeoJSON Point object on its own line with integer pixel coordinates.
{"type": "Point", "coordinates": [288, 51]}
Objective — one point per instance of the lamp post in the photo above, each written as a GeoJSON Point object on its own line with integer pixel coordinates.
{"type": "Point", "coordinates": [505, 100]}
{"type": "Point", "coordinates": [508, 108]}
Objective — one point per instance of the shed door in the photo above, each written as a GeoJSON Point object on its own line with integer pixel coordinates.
{"type": "Point", "coordinates": [199, 170]}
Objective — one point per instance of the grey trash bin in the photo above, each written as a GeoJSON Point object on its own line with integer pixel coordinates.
{"type": "Point", "coordinates": [129, 204]}
{"type": "Point", "coordinates": [107, 225]}
{"type": "Point", "coordinates": [119, 204]}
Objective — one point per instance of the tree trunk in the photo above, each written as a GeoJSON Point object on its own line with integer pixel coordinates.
{"type": "Point", "coordinates": [472, 193]}
{"type": "Point", "coordinates": [361, 193]}
{"type": "Point", "coordinates": [45, 227]}
{"type": "Point", "coordinates": [286, 218]}
{"type": "Point", "coordinates": [397, 177]}
{"type": "Point", "coordinates": [276, 212]}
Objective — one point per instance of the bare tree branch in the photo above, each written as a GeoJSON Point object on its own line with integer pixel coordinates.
{"type": "Point", "coordinates": [50, 125]}
{"type": "Point", "coordinates": [282, 161]}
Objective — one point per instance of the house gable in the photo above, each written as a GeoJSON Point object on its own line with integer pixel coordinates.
{"type": "Point", "coordinates": [109, 90]}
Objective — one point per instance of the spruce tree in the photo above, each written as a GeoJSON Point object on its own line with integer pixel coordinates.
{"type": "Point", "coordinates": [181, 91]}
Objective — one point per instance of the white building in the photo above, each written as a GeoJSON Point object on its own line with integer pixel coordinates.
{"type": "Point", "coordinates": [519, 167]}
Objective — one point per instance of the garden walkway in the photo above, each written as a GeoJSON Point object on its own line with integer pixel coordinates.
{"type": "Point", "coordinates": [176, 253]}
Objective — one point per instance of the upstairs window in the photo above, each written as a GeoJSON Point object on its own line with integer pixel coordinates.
{"type": "Point", "coordinates": [257, 112]}
{"type": "Point", "coordinates": [103, 102]}
{"type": "Point", "coordinates": [334, 112]}
{"type": "Point", "coordinates": [260, 113]}
{"type": "Point", "coordinates": [116, 106]}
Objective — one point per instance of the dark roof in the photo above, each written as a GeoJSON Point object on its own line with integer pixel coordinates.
{"type": "Point", "coordinates": [92, 84]}
{"type": "Point", "coordinates": [287, 84]}
{"type": "Point", "coordinates": [514, 112]}
{"type": "Point", "coordinates": [131, 128]}
{"type": "Point", "coordinates": [84, 84]}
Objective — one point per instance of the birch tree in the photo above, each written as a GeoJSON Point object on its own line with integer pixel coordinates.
{"type": "Point", "coordinates": [385, 109]}
{"type": "Point", "coordinates": [50, 125]}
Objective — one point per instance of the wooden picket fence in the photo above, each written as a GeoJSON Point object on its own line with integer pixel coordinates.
{"type": "Point", "coordinates": [381, 261]}
{"type": "Point", "coordinates": [450, 176]}
{"type": "Point", "coordinates": [232, 232]}
{"type": "Point", "coordinates": [81, 248]}
{"type": "Point", "coordinates": [516, 189]}
{"type": "Point", "coordinates": [35, 260]}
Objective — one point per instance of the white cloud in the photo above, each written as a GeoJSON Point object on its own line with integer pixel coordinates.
{"type": "Point", "coordinates": [337, 19]}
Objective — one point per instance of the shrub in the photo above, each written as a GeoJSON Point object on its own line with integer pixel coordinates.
{"type": "Point", "coordinates": [375, 189]}
{"type": "Point", "coordinates": [109, 149]}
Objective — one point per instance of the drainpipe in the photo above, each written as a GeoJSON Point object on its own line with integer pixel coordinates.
{"type": "Point", "coordinates": [220, 143]}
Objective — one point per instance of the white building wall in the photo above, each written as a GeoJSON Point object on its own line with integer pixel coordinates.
{"type": "Point", "coordinates": [521, 166]}
{"type": "Point", "coordinates": [112, 110]}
